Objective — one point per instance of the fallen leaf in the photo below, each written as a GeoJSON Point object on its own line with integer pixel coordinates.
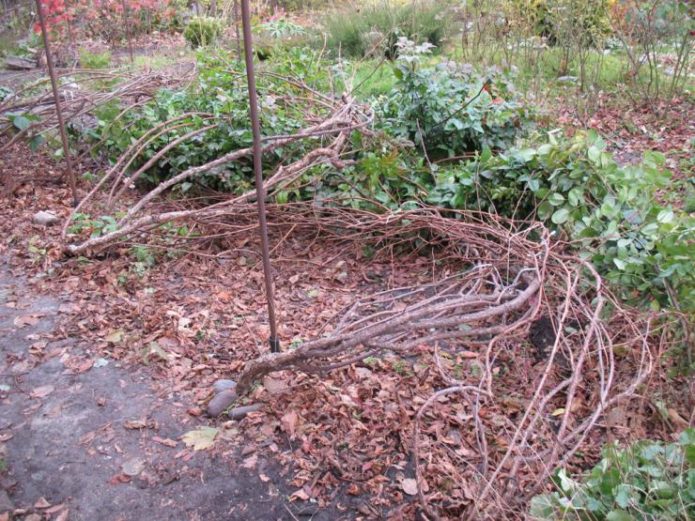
{"type": "Point", "coordinates": [250, 462]}
{"type": "Point", "coordinates": [201, 438]}
{"type": "Point", "coordinates": [165, 441]}
{"type": "Point", "coordinates": [194, 411]}
{"type": "Point", "coordinates": [289, 423]}
{"type": "Point", "coordinates": [119, 478]}
{"type": "Point", "coordinates": [300, 494]}
{"type": "Point", "coordinates": [42, 391]}
{"type": "Point", "coordinates": [115, 338]}
{"type": "Point", "coordinates": [42, 503]}
{"type": "Point", "coordinates": [63, 516]}
{"type": "Point", "coordinates": [79, 365]}
{"type": "Point", "coordinates": [153, 348]}
{"type": "Point", "coordinates": [27, 320]}
{"type": "Point", "coordinates": [677, 419]}
{"type": "Point", "coordinates": [409, 486]}
{"type": "Point", "coordinates": [56, 508]}
{"type": "Point", "coordinates": [135, 424]}
{"type": "Point", "coordinates": [275, 386]}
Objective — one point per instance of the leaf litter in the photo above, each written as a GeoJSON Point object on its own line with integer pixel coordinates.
{"type": "Point", "coordinates": [202, 315]}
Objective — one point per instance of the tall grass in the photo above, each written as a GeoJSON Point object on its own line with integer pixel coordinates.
{"type": "Point", "coordinates": [373, 28]}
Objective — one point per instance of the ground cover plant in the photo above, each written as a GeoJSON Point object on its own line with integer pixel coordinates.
{"type": "Point", "coordinates": [482, 244]}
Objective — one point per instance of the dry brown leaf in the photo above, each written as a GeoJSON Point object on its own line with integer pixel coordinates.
{"type": "Point", "coordinates": [677, 419]}
{"type": "Point", "coordinates": [300, 494]}
{"type": "Point", "coordinates": [165, 441]}
{"type": "Point", "coordinates": [42, 503]}
{"type": "Point", "coordinates": [42, 391]}
{"type": "Point", "coordinates": [135, 424]}
{"type": "Point", "coordinates": [289, 423]}
{"type": "Point", "coordinates": [56, 508]}
{"type": "Point", "coordinates": [250, 462]}
{"type": "Point", "coordinates": [27, 320]}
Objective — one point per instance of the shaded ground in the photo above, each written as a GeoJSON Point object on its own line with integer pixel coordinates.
{"type": "Point", "coordinates": [68, 451]}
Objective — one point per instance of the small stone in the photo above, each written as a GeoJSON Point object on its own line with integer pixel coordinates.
{"type": "Point", "coordinates": [6, 504]}
{"type": "Point", "coordinates": [221, 401]}
{"type": "Point", "coordinates": [44, 218]}
{"type": "Point", "coordinates": [239, 412]}
{"type": "Point", "coordinates": [101, 362]}
{"type": "Point", "coordinates": [133, 467]}
{"type": "Point", "coordinates": [223, 385]}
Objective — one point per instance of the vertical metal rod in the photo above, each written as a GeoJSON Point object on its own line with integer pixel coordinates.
{"type": "Point", "coordinates": [236, 29]}
{"type": "Point", "coordinates": [126, 26]}
{"type": "Point", "coordinates": [258, 171]}
{"type": "Point", "coordinates": [56, 100]}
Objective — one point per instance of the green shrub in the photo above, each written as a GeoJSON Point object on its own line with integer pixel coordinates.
{"type": "Point", "coordinates": [374, 28]}
{"type": "Point", "coordinates": [609, 211]}
{"type": "Point", "coordinates": [647, 481]}
{"type": "Point", "coordinates": [566, 22]}
{"type": "Point", "coordinates": [202, 31]}
{"type": "Point", "coordinates": [450, 109]}
{"type": "Point", "coordinates": [281, 28]}
{"type": "Point", "coordinates": [91, 60]}
{"type": "Point", "coordinates": [219, 89]}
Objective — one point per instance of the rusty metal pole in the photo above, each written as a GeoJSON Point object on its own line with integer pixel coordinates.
{"type": "Point", "coordinates": [56, 100]}
{"type": "Point", "coordinates": [236, 29]}
{"type": "Point", "coordinates": [258, 171]}
{"type": "Point", "coordinates": [127, 29]}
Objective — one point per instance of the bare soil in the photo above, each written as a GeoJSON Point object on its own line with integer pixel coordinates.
{"type": "Point", "coordinates": [67, 448]}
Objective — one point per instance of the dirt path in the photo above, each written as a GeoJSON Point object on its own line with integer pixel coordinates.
{"type": "Point", "coordinates": [68, 453]}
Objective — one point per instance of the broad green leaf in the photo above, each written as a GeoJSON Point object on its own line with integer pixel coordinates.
{"type": "Point", "coordinates": [21, 122]}
{"type": "Point", "coordinates": [620, 264]}
{"type": "Point", "coordinates": [619, 515]}
{"type": "Point", "coordinates": [560, 216]}
{"type": "Point", "coordinates": [556, 199]}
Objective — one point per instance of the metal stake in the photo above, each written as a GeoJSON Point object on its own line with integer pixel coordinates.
{"type": "Point", "coordinates": [236, 29]}
{"type": "Point", "coordinates": [258, 171]}
{"type": "Point", "coordinates": [56, 100]}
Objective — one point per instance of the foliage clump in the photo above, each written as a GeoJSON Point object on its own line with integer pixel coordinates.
{"type": "Point", "coordinates": [645, 481]}
{"type": "Point", "coordinates": [95, 60]}
{"type": "Point", "coordinates": [374, 28]}
{"type": "Point", "coordinates": [610, 212]}
{"type": "Point", "coordinates": [220, 92]}
{"type": "Point", "coordinates": [449, 110]}
{"type": "Point", "coordinates": [202, 31]}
